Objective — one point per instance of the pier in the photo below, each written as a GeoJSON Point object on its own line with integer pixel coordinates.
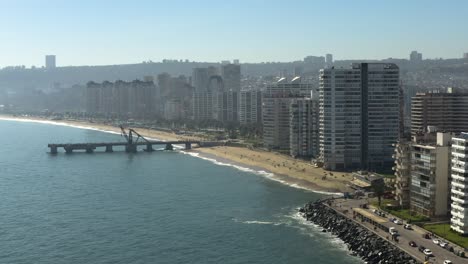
{"type": "Point", "coordinates": [109, 146]}
{"type": "Point", "coordinates": [130, 146]}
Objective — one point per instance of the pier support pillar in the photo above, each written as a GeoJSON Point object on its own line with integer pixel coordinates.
{"type": "Point", "coordinates": [149, 148]}
{"type": "Point", "coordinates": [188, 145]}
{"type": "Point", "coordinates": [109, 148]}
{"type": "Point", "coordinates": [131, 148]}
{"type": "Point", "coordinates": [89, 150]}
{"type": "Point", "coordinates": [169, 147]}
{"type": "Point", "coordinates": [53, 150]}
{"type": "Point", "coordinates": [68, 150]}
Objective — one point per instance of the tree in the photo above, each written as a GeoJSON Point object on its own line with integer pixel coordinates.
{"type": "Point", "coordinates": [378, 186]}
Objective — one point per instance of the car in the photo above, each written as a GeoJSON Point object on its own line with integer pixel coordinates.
{"type": "Point", "coordinates": [448, 261]}
{"type": "Point", "coordinates": [443, 244]}
{"type": "Point", "coordinates": [412, 244]}
{"type": "Point", "coordinates": [436, 241]}
{"type": "Point", "coordinates": [398, 222]}
{"type": "Point", "coordinates": [427, 236]}
{"type": "Point", "coordinates": [392, 219]}
{"type": "Point", "coordinates": [421, 248]}
{"type": "Point", "coordinates": [393, 231]}
{"type": "Point", "coordinates": [427, 252]}
{"type": "Point", "coordinates": [408, 226]}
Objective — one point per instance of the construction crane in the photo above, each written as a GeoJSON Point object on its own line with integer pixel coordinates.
{"type": "Point", "coordinates": [129, 136]}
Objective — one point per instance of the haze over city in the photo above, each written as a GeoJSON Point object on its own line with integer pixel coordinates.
{"type": "Point", "coordinates": [208, 132]}
{"type": "Point", "coordinates": [122, 32]}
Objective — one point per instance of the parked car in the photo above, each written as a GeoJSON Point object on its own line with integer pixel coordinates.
{"type": "Point", "coordinates": [408, 226]}
{"type": "Point", "coordinates": [412, 244]}
{"type": "Point", "coordinates": [443, 244]}
{"type": "Point", "coordinates": [448, 261]}
{"type": "Point", "coordinates": [436, 241]}
{"type": "Point", "coordinates": [427, 236]}
{"type": "Point", "coordinates": [398, 222]}
{"type": "Point", "coordinates": [427, 252]}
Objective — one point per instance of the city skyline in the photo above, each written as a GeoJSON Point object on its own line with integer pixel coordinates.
{"type": "Point", "coordinates": [106, 33]}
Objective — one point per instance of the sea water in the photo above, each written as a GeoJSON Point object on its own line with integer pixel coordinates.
{"type": "Point", "coordinates": [160, 207]}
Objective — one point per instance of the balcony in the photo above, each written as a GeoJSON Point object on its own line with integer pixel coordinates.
{"type": "Point", "coordinates": [459, 200]}
{"type": "Point", "coordinates": [459, 193]}
{"type": "Point", "coordinates": [459, 215]}
{"type": "Point", "coordinates": [458, 184]}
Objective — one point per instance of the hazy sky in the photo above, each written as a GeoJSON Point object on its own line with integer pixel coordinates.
{"type": "Point", "coordinates": [97, 32]}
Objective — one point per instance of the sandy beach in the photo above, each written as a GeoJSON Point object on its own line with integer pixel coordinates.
{"type": "Point", "coordinates": [286, 169]}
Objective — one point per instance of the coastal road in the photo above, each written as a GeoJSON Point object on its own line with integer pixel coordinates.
{"type": "Point", "coordinates": [416, 235]}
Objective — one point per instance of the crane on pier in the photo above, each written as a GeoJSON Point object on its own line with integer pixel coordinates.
{"type": "Point", "coordinates": [129, 136]}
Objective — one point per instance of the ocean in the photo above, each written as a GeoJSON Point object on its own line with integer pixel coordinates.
{"type": "Point", "coordinates": [160, 207]}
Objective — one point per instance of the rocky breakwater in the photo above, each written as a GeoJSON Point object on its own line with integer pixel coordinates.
{"type": "Point", "coordinates": [362, 242]}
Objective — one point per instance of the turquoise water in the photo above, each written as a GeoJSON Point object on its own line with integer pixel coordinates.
{"type": "Point", "coordinates": [161, 207]}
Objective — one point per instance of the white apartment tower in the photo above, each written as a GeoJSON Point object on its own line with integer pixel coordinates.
{"type": "Point", "coordinates": [430, 167]}
{"type": "Point", "coordinates": [276, 111]}
{"type": "Point", "coordinates": [250, 107]}
{"type": "Point", "coordinates": [459, 184]}
{"type": "Point", "coordinates": [358, 116]}
{"type": "Point", "coordinates": [303, 127]}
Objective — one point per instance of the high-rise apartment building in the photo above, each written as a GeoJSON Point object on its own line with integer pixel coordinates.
{"type": "Point", "coordinates": [359, 116]}
{"type": "Point", "coordinates": [276, 111]}
{"type": "Point", "coordinates": [329, 60]}
{"type": "Point", "coordinates": [415, 56]}
{"type": "Point", "coordinates": [303, 127]}
{"type": "Point", "coordinates": [448, 111]}
{"type": "Point", "coordinates": [200, 79]}
{"type": "Point", "coordinates": [136, 99]}
{"type": "Point", "coordinates": [202, 103]}
{"type": "Point", "coordinates": [459, 184]}
{"type": "Point", "coordinates": [231, 74]}
{"type": "Point", "coordinates": [226, 106]}
{"type": "Point", "coordinates": [250, 107]}
{"type": "Point", "coordinates": [50, 62]}
{"type": "Point", "coordinates": [402, 172]}
{"type": "Point", "coordinates": [430, 167]}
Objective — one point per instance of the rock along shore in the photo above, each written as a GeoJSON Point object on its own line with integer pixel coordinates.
{"type": "Point", "coordinates": [362, 242]}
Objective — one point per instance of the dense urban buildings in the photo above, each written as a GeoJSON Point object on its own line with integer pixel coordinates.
{"type": "Point", "coordinates": [250, 107]}
{"type": "Point", "coordinates": [459, 190]}
{"type": "Point", "coordinates": [50, 62]}
{"type": "Point", "coordinates": [276, 111]}
{"type": "Point", "coordinates": [448, 111]}
{"type": "Point", "coordinates": [136, 99]}
{"type": "Point", "coordinates": [329, 60]}
{"type": "Point", "coordinates": [430, 169]}
{"type": "Point", "coordinates": [359, 116]}
{"type": "Point", "coordinates": [303, 127]}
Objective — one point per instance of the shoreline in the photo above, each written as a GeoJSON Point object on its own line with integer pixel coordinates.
{"type": "Point", "coordinates": [274, 166]}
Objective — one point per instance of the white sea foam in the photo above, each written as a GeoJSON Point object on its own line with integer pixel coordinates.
{"type": "Point", "coordinates": [265, 174]}
{"type": "Point", "coordinates": [268, 175]}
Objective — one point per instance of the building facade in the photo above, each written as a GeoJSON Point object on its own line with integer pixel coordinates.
{"type": "Point", "coordinates": [430, 168]}
{"type": "Point", "coordinates": [231, 74]}
{"type": "Point", "coordinates": [359, 116]}
{"type": "Point", "coordinates": [303, 127]}
{"type": "Point", "coordinates": [459, 184]}
{"type": "Point", "coordinates": [50, 62]}
{"type": "Point", "coordinates": [403, 172]}
{"type": "Point", "coordinates": [276, 111]}
{"type": "Point", "coordinates": [250, 107]}
{"type": "Point", "coordinates": [136, 99]}
{"type": "Point", "coordinates": [448, 111]}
